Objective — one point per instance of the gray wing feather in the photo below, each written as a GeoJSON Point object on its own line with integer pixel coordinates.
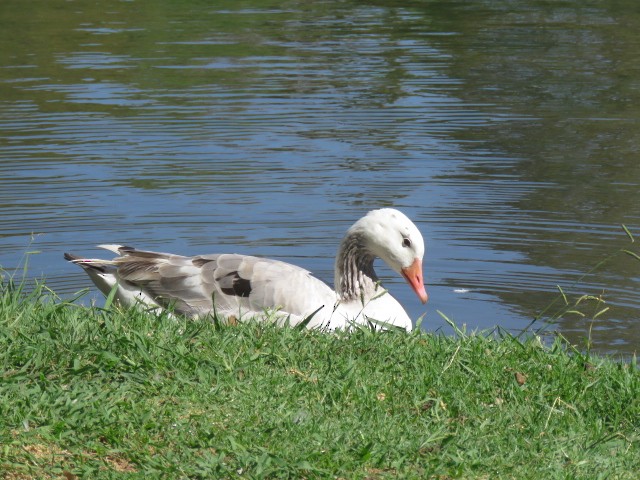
{"type": "Point", "coordinates": [236, 283]}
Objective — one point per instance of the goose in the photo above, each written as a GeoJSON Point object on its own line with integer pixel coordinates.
{"type": "Point", "coordinates": [242, 287]}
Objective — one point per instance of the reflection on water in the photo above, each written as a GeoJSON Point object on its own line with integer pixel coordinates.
{"type": "Point", "coordinates": [508, 132]}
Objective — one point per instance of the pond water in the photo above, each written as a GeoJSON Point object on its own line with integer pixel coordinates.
{"type": "Point", "coordinates": [508, 132]}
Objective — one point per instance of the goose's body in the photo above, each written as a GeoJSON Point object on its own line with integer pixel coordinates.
{"type": "Point", "coordinates": [245, 287]}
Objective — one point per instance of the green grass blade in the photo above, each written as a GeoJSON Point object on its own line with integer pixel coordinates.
{"type": "Point", "coordinates": [111, 297]}
{"type": "Point", "coordinates": [633, 254]}
{"type": "Point", "coordinates": [459, 332]}
{"type": "Point", "coordinates": [303, 324]}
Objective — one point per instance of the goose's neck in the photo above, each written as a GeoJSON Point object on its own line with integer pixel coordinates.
{"type": "Point", "coordinates": [355, 278]}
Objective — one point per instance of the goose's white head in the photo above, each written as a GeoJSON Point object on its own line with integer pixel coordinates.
{"type": "Point", "coordinates": [388, 234]}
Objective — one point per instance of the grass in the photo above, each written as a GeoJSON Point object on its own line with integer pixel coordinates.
{"type": "Point", "coordinates": [93, 393]}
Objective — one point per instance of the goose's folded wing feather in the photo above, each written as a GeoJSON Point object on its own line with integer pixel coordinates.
{"type": "Point", "coordinates": [237, 284]}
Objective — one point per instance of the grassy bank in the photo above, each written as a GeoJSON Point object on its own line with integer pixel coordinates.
{"type": "Point", "coordinates": [88, 393]}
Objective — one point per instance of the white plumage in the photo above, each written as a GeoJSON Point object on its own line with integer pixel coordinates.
{"type": "Point", "coordinates": [244, 287]}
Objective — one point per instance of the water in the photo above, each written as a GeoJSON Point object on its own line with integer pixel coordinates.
{"type": "Point", "coordinates": [508, 132]}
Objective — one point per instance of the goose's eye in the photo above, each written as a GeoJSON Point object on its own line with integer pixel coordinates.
{"type": "Point", "coordinates": [406, 242]}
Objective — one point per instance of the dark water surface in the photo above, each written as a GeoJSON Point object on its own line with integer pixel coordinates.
{"type": "Point", "coordinates": [510, 133]}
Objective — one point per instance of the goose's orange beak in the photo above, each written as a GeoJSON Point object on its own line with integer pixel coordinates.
{"type": "Point", "coordinates": [413, 275]}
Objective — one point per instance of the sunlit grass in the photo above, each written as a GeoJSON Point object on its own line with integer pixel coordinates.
{"type": "Point", "coordinates": [94, 393]}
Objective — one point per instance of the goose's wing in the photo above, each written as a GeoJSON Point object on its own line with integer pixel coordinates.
{"type": "Point", "coordinates": [229, 284]}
